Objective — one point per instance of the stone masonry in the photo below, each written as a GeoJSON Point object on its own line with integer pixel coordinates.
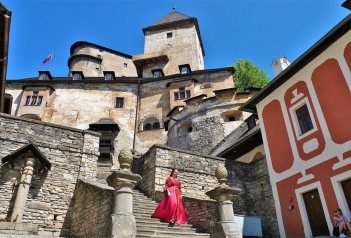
{"type": "Point", "coordinates": [196, 171]}
{"type": "Point", "coordinates": [256, 198]}
{"type": "Point", "coordinates": [91, 212]}
{"type": "Point", "coordinates": [72, 154]}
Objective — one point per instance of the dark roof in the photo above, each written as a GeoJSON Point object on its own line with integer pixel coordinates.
{"type": "Point", "coordinates": [172, 18]}
{"type": "Point", "coordinates": [246, 142]}
{"type": "Point", "coordinates": [24, 149]}
{"type": "Point", "coordinates": [103, 125]}
{"type": "Point", "coordinates": [79, 43]}
{"type": "Point", "coordinates": [334, 34]}
{"type": "Point", "coordinates": [173, 109]}
{"type": "Point", "coordinates": [347, 4]}
{"type": "Point", "coordinates": [195, 97]}
{"type": "Point", "coordinates": [131, 80]}
{"type": "Point", "coordinates": [225, 90]}
{"type": "Point", "coordinates": [182, 80]}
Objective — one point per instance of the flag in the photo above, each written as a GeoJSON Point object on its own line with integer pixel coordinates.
{"type": "Point", "coordinates": [47, 59]}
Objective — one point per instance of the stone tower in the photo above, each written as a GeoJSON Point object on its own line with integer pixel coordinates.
{"type": "Point", "coordinates": [173, 45]}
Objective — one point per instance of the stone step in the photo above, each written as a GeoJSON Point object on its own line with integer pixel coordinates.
{"type": "Point", "coordinates": [154, 221]}
{"type": "Point", "coordinates": [162, 236]}
{"type": "Point", "coordinates": [170, 233]}
{"type": "Point", "coordinates": [143, 207]}
{"type": "Point", "coordinates": [161, 227]}
{"type": "Point", "coordinates": [146, 205]}
{"type": "Point", "coordinates": [165, 226]}
{"type": "Point", "coordinates": [143, 210]}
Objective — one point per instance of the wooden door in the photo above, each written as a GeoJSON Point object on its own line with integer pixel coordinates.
{"type": "Point", "coordinates": [315, 213]}
{"type": "Point", "coordinates": [346, 187]}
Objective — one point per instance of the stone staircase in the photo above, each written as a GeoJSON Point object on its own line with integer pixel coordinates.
{"type": "Point", "coordinates": [143, 207]}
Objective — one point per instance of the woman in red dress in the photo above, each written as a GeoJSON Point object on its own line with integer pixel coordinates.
{"type": "Point", "coordinates": [171, 207]}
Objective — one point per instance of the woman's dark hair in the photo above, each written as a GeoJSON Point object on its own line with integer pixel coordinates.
{"type": "Point", "coordinates": [339, 210]}
{"type": "Point", "coordinates": [172, 172]}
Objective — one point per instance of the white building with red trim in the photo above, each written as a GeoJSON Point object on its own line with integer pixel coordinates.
{"type": "Point", "coordinates": [305, 115]}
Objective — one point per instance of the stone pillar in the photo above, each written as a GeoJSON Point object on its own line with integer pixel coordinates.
{"type": "Point", "coordinates": [22, 192]}
{"type": "Point", "coordinates": [226, 227]}
{"type": "Point", "coordinates": [123, 181]}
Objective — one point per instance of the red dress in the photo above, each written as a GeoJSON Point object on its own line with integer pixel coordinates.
{"type": "Point", "coordinates": [171, 207]}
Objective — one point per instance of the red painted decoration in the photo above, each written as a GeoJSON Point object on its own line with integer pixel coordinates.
{"type": "Point", "coordinates": [277, 137]}
{"type": "Point", "coordinates": [334, 97]}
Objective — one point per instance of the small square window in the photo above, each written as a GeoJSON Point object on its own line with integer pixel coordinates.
{"type": "Point", "coordinates": [125, 65]}
{"type": "Point", "coordinates": [304, 119]}
{"type": "Point", "coordinates": [119, 102]}
{"type": "Point", "coordinates": [176, 96]}
{"type": "Point", "coordinates": [184, 69]}
{"type": "Point", "coordinates": [157, 73]}
{"type": "Point", "coordinates": [169, 35]}
{"type": "Point", "coordinates": [40, 99]}
{"type": "Point", "coordinates": [77, 76]}
{"type": "Point", "coordinates": [97, 69]}
{"type": "Point", "coordinates": [188, 94]}
{"type": "Point", "coordinates": [43, 76]}
{"type": "Point", "coordinates": [108, 76]}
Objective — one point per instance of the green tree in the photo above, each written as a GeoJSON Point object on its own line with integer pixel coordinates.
{"type": "Point", "coordinates": [248, 75]}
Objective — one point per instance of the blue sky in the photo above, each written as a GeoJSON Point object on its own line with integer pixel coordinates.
{"type": "Point", "coordinates": [258, 30]}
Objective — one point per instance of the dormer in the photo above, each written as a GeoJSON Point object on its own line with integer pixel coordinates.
{"type": "Point", "coordinates": [77, 75]}
{"type": "Point", "coordinates": [44, 75]}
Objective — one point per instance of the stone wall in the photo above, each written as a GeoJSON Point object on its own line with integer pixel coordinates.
{"type": "Point", "coordinates": [72, 154]}
{"type": "Point", "coordinates": [196, 171]}
{"type": "Point", "coordinates": [202, 213]}
{"type": "Point", "coordinates": [256, 198]}
{"type": "Point", "coordinates": [182, 48]}
{"type": "Point", "coordinates": [91, 212]}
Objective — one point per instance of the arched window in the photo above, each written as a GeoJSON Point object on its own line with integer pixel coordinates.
{"type": "Point", "coordinates": [147, 127]}
{"type": "Point", "coordinates": [156, 126]}
{"type": "Point", "coordinates": [151, 123]}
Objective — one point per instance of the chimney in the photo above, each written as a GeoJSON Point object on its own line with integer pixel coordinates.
{"type": "Point", "coordinates": [279, 64]}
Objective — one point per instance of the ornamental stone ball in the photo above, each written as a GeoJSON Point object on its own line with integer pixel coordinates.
{"type": "Point", "coordinates": [221, 174]}
{"type": "Point", "coordinates": [125, 158]}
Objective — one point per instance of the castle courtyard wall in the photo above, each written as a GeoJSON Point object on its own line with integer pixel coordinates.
{"type": "Point", "coordinates": [72, 154]}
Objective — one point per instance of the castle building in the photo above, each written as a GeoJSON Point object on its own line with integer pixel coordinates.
{"type": "Point", "coordinates": [65, 133]}
{"type": "Point", "coordinates": [128, 98]}
{"type": "Point", "coordinates": [304, 115]}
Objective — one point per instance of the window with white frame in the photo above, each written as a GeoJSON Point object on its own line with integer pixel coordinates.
{"type": "Point", "coordinates": [182, 94]}
{"type": "Point", "coordinates": [304, 119]}
{"type": "Point", "coordinates": [34, 99]}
